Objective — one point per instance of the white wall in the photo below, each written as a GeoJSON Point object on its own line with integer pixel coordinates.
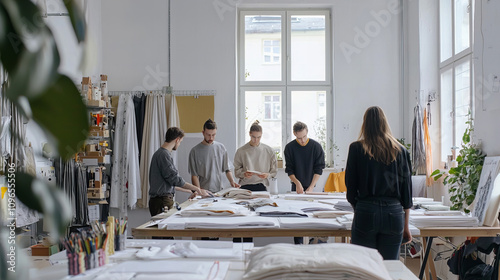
{"type": "Point", "coordinates": [487, 65]}
{"type": "Point", "coordinates": [71, 55]}
{"type": "Point", "coordinates": [203, 56]}
{"type": "Point", "coordinates": [134, 44]}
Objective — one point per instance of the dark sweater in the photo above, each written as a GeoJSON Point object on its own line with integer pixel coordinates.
{"type": "Point", "coordinates": [163, 175]}
{"type": "Point", "coordinates": [304, 161]}
{"type": "Point", "coordinates": [367, 178]}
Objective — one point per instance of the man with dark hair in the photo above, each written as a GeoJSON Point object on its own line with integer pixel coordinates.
{"type": "Point", "coordinates": [305, 161]}
{"type": "Point", "coordinates": [163, 175]}
{"type": "Point", "coordinates": [208, 160]}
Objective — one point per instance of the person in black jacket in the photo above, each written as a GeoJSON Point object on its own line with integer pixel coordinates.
{"type": "Point", "coordinates": [378, 180]}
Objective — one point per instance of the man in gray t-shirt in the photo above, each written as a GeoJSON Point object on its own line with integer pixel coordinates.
{"type": "Point", "coordinates": [208, 161]}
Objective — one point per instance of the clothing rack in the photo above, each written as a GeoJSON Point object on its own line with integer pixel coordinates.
{"type": "Point", "coordinates": [194, 93]}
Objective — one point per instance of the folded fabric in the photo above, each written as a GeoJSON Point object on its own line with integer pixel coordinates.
{"type": "Point", "coordinates": [344, 205]}
{"type": "Point", "coordinates": [330, 214]}
{"type": "Point", "coordinates": [282, 210]}
{"type": "Point", "coordinates": [242, 194]}
{"type": "Point", "coordinates": [315, 208]}
{"type": "Point", "coordinates": [320, 261]}
{"type": "Point", "coordinates": [223, 209]}
{"type": "Point", "coordinates": [258, 202]}
{"type": "Point", "coordinates": [224, 223]}
{"type": "Point", "coordinates": [436, 207]}
{"type": "Point", "coordinates": [443, 213]}
{"type": "Point", "coordinates": [147, 252]}
{"type": "Point", "coordinates": [444, 221]}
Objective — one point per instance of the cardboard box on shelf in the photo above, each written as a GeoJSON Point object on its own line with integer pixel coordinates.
{"type": "Point", "coordinates": [90, 148]}
{"type": "Point", "coordinates": [97, 193]}
{"type": "Point", "coordinates": [90, 160]}
{"type": "Point", "coordinates": [87, 87]}
{"type": "Point", "coordinates": [42, 250]}
{"type": "Point", "coordinates": [96, 103]}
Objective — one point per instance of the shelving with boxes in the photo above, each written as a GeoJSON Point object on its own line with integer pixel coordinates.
{"type": "Point", "coordinates": [96, 155]}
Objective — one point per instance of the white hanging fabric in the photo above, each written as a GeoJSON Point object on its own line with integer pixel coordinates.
{"type": "Point", "coordinates": [125, 158]}
{"type": "Point", "coordinates": [155, 127]}
{"type": "Point", "coordinates": [172, 111]}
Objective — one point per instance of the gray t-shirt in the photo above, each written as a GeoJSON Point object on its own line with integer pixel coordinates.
{"type": "Point", "coordinates": [163, 175]}
{"type": "Point", "coordinates": [209, 162]}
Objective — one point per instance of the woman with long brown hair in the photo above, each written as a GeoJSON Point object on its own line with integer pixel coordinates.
{"type": "Point", "coordinates": [378, 180]}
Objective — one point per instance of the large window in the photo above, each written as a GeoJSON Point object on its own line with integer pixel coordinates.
{"type": "Point", "coordinates": [285, 74]}
{"type": "Point", "coordinates": [456, 71]}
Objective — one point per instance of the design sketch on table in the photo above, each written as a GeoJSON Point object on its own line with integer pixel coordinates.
{"type": "Point", "coordinates": [484, 193]}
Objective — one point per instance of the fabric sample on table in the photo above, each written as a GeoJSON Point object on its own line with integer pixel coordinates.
{"type": "Point", "coordinates": [320, 261]}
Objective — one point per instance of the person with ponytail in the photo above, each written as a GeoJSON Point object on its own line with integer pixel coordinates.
{"type": "Point", "coordinates": [378, 180]}
{"type": "Point", "coordinates": [255, 162]}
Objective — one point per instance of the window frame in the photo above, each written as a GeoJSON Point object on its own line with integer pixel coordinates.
{"type": "Point", "coordinates": [451, 63]}
{"type": "Point", "coordinates": [286, 86]}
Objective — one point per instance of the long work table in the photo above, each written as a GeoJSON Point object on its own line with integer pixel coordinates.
{"type": "Point", "coordinates": [427, 233]}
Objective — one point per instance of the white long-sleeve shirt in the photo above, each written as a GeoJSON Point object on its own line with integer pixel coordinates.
{"type": "Point", "coordinates": [260, 158]}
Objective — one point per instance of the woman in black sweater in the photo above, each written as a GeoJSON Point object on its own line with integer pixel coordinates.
{"type": "Point", "coordinates": [378, 180]}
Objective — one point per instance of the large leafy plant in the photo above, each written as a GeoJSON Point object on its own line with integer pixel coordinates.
{"type": "Point", "coordinates": [30, 57]}
{"type": "Point", "coordinates": [463, 180]}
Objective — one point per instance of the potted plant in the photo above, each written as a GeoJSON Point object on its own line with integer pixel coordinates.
{"type": "Point", "coordinates": [279, 158]}
{"type": "Point", "coordinates": [463, 180]}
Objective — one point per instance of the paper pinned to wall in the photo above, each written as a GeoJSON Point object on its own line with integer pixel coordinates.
{"type": "Point", "coordinates": [194, 111]}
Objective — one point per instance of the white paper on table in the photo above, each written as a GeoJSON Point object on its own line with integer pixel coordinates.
{"type": "Point", "coordinates": [172, 266]}
{"type": "Point", "coordinates": [301, 223]}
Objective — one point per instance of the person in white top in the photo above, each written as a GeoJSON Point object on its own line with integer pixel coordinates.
{"type": "Point", "coordinates": [255, 162]}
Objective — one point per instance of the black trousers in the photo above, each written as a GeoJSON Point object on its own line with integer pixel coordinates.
{"type": "Point", "coordinates": [157, 204]}
{"type": "Point", "coordinates": [379, 225]}
{"type": "Point", "coordinates": [255, 187]}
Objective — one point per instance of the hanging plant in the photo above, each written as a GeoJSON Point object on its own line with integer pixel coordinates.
{"type": "Point", "coordinates": [463, 180]}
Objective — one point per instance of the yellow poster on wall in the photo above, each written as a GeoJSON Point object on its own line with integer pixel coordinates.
{"type": "Point", "coordinates": [194, 111]}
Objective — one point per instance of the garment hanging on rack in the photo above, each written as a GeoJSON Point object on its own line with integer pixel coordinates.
{"type": "Point", "coordinates": [418, 147]}
{"type": "Point", "coordinates": [140, 110]}
{"type": "Point", "coordinates": [72, 178]}
{"type": "Point", "coordinates": [125, 158]}
{"type": "Point", "coordinates": [82, 207]}
{"type": "Point", "coordinates": [155, 127]}
{"type": "Point", "coordinates": [172, 111]}
{"type": "Point", "coordinates": [428, 151]}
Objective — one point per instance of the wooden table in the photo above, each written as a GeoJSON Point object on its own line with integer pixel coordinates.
{"type": "Point", "coordinates": [429, 233]}
{"type": "Point", "coordinates": [143, 231]}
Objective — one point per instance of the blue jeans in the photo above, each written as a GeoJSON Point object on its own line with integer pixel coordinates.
{"type": "Point", "coordinates": [379, 225]}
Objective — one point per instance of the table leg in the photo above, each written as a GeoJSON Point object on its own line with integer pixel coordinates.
{"type": "Point", "coordinates": [426, 256]}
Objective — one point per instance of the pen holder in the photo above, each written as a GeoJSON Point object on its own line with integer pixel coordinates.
{"type": "Point", "coordinates": [120, 242]}
{"type": "Point", "coordinates": [73, 265]}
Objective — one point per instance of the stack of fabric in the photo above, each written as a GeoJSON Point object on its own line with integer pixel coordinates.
{"type": "Point", "coordinates": [344, 205]}
{"type": "Point", "coordinates": [346, 220]}
{"type": "Point", "coordinates": [215, 209]}
{"type": "Point", "coordinates": [444, 221]}
{"type": "Point", "coordinates": [330, 214]}
{"type": "Point", "coordinates": [321, 261]}
{"type": "Point", "coordinates": [242, 194]}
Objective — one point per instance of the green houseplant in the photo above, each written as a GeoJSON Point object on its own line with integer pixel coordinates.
{"type": "Point", "coordinates": [30, 57]}
{"type": "Point", "coordinates": [463, 180]}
